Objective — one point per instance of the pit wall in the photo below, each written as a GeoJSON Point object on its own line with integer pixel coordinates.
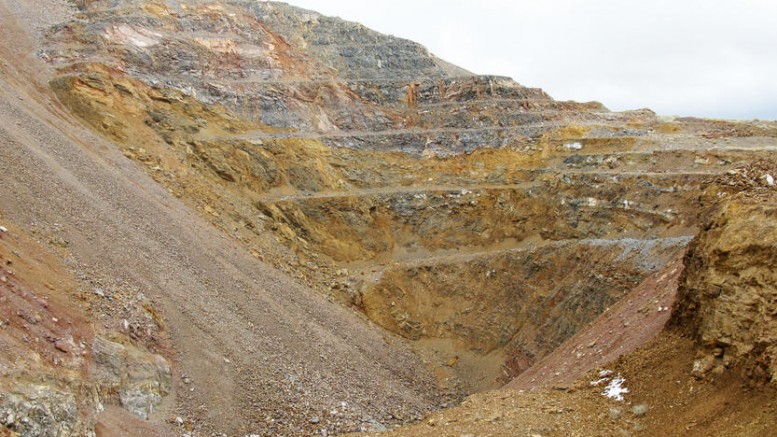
{"type": "Point", "coordinates": [382, 230]}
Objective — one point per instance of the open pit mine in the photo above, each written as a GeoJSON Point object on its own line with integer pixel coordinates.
{"type": "Point", "coordinates": [242, 218]}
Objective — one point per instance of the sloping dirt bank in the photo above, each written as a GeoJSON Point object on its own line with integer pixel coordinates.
{"type": "Point", "coordinates": [253, 350]}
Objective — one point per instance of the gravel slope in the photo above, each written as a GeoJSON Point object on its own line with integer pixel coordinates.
{"type": "Point", "coordinates": [263, 354]}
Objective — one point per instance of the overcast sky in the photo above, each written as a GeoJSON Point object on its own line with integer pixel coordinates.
{"type": "Point", "coordinates": [708, 58]}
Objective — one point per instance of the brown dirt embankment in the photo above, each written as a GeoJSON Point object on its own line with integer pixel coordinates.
{"type": "Point", "coordinates": [710, 372]}
{"type": "Point", "coordinates": [728, 295]}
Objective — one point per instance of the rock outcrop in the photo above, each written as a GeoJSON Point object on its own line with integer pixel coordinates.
{"type": "Point", "coordinates": [57, 371]}
{"type": "Point", "coordinates": [390, 231]}
{"type": "Point", "coordinates": [365, 154]}
{"type": "Point", "coordinates": [139, 380]}
{"type": "Point", "coordinates": [728, 294]}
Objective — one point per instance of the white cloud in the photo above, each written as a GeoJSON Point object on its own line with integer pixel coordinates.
{"type": "Point", "coordinates": [691, 57]}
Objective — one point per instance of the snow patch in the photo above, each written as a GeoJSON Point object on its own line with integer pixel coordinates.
{"type": "Point", "coordinates": [615, 389]}
{"type": "Point", "coordinates": [573, 146]}
{"type": "Point", "coordinates": [604, 376]}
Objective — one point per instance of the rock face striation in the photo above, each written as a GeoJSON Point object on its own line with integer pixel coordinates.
{"type": "Point", "coordinates": [385, 172]}
{"type": "Point", "coordinates": [727, 295]}
{"type": "Point", "coordinates": [57, 371]}
{"type": "Point", "coordinates": [477, 222]}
